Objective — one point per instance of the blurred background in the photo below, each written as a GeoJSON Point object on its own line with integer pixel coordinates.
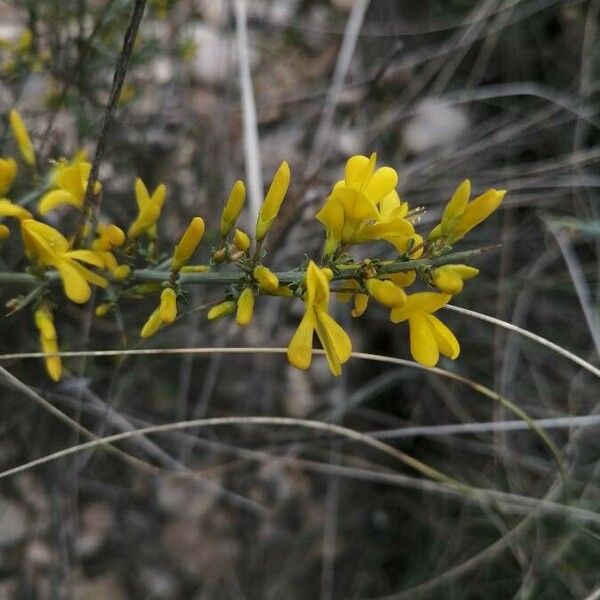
{"type": "Point", "coordinates": [504, 92]}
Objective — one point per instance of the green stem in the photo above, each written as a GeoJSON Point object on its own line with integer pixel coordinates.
{"type": "Point", "coordinates": [286, 277]}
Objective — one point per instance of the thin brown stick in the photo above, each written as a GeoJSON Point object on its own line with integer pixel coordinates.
{"type": "Point", "coordinates": [91, 200]}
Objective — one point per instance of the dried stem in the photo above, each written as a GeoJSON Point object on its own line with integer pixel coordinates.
{"type": "Point", "coordinates": [91, 200]}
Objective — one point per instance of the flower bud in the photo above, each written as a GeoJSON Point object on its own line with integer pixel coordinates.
{"type": "Point", "coordinates": [110, 237]}
{"type": "Point", "coordinates": [8, 172]}
{"type": "Point", "coordinates": [195, 269]}
{"type": "Point", "coordinates": [233, 207]}
{"type": "Point", "coordinates": [103, 309]}
{"type": "Point", "coordinates": [22, 137]}
{"type": "Point", "coordinates": [245, 307]}
{"type": "Point", "coordinates": [449, 278]}
{"type": "Point", "coordinates": [168, 305]}
{"type": "Point", "coordinates": [266, 279]}
{"type": "Point", "coordinates": [272, 203]}
{"type": "Point", "coordinates": [241, 240]}
{"type": "Point", "coordinates": [152, 325]}
{"type": "Point", "coordinates": [48, 341]}
{"type": "Point", "coordinates": [122, 272]}
{"type": "Point", "coordinates": [187, 244]}
{"type": "Point", "coordinates": [221, 310]}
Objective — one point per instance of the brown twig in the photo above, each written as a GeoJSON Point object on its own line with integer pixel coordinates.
{"type": "Point", "coordinates": [91, 200]}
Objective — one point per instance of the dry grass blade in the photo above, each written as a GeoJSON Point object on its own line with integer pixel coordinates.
{"type": "Point", "coordinates": [251, 145]}
{"type": "Point", "coordinates": [532, 336]}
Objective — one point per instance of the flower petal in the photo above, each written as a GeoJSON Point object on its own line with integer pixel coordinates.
{"type": "Point", "coordinates": [75, 286]}
{"type": "Point", "coordinates": [56, 198]}
{"type": "Point", "coordinates": [335, 341]}
{"type": "Point", "coordinates": [445, 339]}
{"type": "Point", "coordinates": [423, 345]}
{"type": "Point", "coordinates": [383, 181]}
{"type": "Point", "coordinates": [421, 302]}
{"type": "Point", "coordinates": [299, 351]}
{"type": "Point", "coordinates": [458, 202]}
{"type": "Point", "coordinates": [356, 171]}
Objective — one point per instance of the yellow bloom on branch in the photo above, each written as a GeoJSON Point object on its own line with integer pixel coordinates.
{"type": "Point", "coordinates": [233, 208]}
{"type": "Point", "coordinates": [428, 335]}
{"type": "Point", "coordinates": [149, 208]}
{"type": "Point", "coordinates": [22, 137]}
{"type": "Point", "coordinates": [48, 341]}
{"type": "Point", "coordinates": [71, 184]}
{"type": "Point", "coordinates": [188, 243]}
{"type": "Point", "coordinates": [272, 202]}
{"type": "Point", "coordinates": [8, 172]}
{"type": "Point", "coordinates": [51, 249]}
{"type": "Point", "coordinates": [333, 338]}
{"type": "Point", "coordinates": [460, 215]}
{"type": "Point", "coordinates": [365, 207]}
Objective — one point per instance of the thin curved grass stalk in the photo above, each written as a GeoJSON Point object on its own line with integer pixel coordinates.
{"type": "Point", "coordinates": [339, 430]}
{"type": "Point", "coordinates": [361, 355]}
{"type": "Point", "coordinates": [13, 382]}
{"type": "Point", "coordinates": [368, 472]}
{"type": "Point", "coordinates": [528, 334]}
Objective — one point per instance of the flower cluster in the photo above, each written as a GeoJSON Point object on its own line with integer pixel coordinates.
{"type": "Point", "coordinates": [362, 208]}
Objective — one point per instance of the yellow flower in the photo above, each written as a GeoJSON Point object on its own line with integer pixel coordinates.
{"type": "Point", "coordinates": [449, 278]}
{"type": "Point", "coordinates": [365, 207]}
{"type": "Point", "coordinates": [241, 240]}
{"type": "Point", "coordinates": [149, 208]}
{"type": "Point", "coordinates": [245, 307]}
{"type": "Point", "coordinates": [428, 335]}
{"type": "Point", "coordinates": [4, 232]}
{"type": "Point", "coordinates": [8, 172]}
{"type": "Point", "coordinates": [221, 310]}
{"type": "Point", "coordinates": [266, 279]}
{"type": "Point", "coordinates": [48, 341]}
{"type": "Point", "coordinates": [22, 136]}
{"type": "Point", "coordinates": [71, 183]}
{"type": "Point", "coordinates": [10, 209]}
{"type": "Point", "coordinates": [272, 202]}
{"type": "Point", "coordinates": [188, 243]}
{"type": "Point", "coordinates": [51, 249]}
{"type": "Point", "coordinates": [334, 339]}
{"type": "Point", "coordinates": [233, 207]}
{"type": "Point", "coordinates": [460, 215]}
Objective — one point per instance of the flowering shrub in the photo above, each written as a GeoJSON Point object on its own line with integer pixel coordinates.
{"type": "Point", "coordinates": [362, 208]}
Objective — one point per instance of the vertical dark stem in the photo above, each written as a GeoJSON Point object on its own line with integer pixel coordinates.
{"type": "Point", "coordinates": [92, 201]}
